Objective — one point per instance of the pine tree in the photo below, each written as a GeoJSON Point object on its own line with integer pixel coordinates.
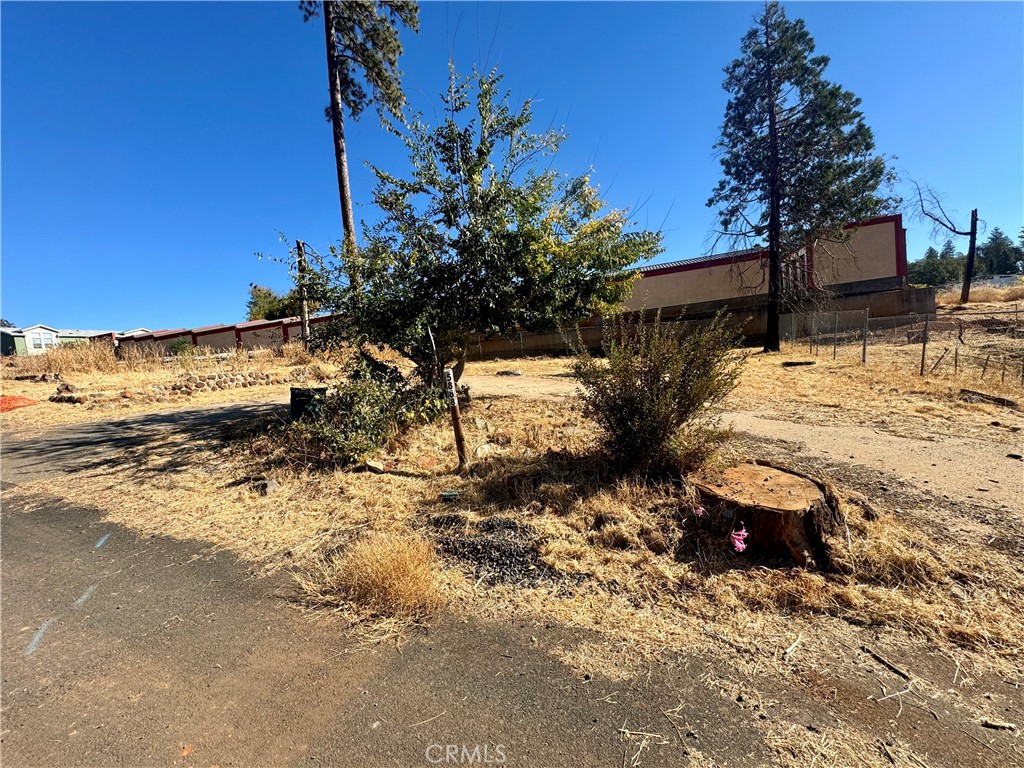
{"type": "Point", "coordinates": [362, 68]}
{"type": "Point", "coordinates": [999, 255]}
{"type": "Point", "coordinates": [797, 156]}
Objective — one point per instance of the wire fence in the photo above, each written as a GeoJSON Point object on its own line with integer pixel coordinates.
{"type": "Point", "coordinates": [968, 345]}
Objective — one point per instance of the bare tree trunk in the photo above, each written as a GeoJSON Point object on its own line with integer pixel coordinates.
{"type": "Point", "coordinates": [771, 338]}
{"type": "Point", "coordinates": [972, 247]}
{"type": "Point", "coordinates": [348, 222]}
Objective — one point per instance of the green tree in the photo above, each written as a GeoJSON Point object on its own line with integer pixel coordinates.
{"type": "Point", "coordinates": [5, 323]}
{"type": "Point", "coordinates": [363, 48]}
{"type": "Point", "coordinates": [797, 156]}
{"type": "Point", "coordinates": [999, 255]}
{"type": "Point", "coordinates": [480, 239]}
{"type": "Point", "coordinates": [267, 304]}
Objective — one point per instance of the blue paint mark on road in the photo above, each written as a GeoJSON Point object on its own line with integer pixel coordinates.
{"type": "Point", "coordinates": [102, 541]}
{"type": "Point", "coordinates": [31, 647]}
{"type": "Point", "coordinates": [85, 596]}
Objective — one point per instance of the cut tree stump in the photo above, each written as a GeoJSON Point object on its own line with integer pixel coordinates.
{"type": "Point", "coordinates": [786, 514]}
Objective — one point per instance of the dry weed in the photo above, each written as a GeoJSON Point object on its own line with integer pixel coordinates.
{"type": "Point", "coordinates": [983, 294]}
{"type": "Point", "coordinates": [390, 574]}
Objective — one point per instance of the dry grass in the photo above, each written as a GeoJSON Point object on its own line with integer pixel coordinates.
{"type": "Point", "coordinates": [628, 560]}
{"type": "Point", "coordinates": [983, 294]}
{"type": "Point", "coordinates": [390, 574]}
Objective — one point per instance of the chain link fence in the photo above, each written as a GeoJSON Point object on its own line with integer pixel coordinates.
{"type": "Point", "coordinates": [963, 345]}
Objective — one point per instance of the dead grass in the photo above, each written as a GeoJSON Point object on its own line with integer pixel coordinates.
{"type": "Point", "coordinates": [390, 574]}
{"type": "Point", "coordinates": [983, 294]}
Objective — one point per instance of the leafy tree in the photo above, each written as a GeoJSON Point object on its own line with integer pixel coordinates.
{"type": "Point", "coordinates": [362, 68]}
{"type": "Point", "coordinates": [797, 156]}
{"type": "Point", "coordinates": [480, 239]}
{"type": "Point", "coordinates": [999, 255]}
{"type": "Point", "coordinates": [267, 304]}
{"type": "Point", "coordinates": [5, 323]}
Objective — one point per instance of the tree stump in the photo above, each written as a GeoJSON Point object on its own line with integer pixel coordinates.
{"type": "Point", "coordinates": [785, 513]}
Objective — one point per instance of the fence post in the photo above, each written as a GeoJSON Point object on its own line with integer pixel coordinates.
{"type": "Point", "coordinates": [985, 366]}
{"type": "Point", "coordinates": [924, 344]}
{"type": "Point", "coordinates": [1002, 378]}
{"type": "Point", "coordinates": [522, 351]}
{"type": "Point", "coordinates": [835, 335]}
{"type": "Point", "coordinates": [864, 347]}
{"type": "Point", "coordinates": [810, 336]}
{"type": "Point", "coordinates": [956, 360]}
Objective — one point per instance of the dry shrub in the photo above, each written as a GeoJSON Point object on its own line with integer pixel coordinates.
{"type": "Point", "coordinates": [82, 357]}
{"type": "Point", "coordinates": [653, 394]}
{"type": "Point", "coordinates": [295, 353]}
{"type": "Point", "coordinates": [983, 294]}
{"type": "Point", "coordinates": [392, 574]}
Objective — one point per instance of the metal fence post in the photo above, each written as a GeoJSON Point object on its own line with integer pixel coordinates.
{"type": "Point", "coordinates": [835, 335]}
{"type": "Point", "coordinates": [864, 346]}
{"type": "Point", "coordinates": [924, 344]}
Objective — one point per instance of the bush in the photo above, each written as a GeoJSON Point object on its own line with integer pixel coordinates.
{"type": "Point", "coordinates": [181, 347]}
{"type": "Point", "coordinates": [359, 416]}
{"type": "Point", "coordinates": [652, 394]}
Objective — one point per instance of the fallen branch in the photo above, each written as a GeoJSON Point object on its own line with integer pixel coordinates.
{"type": "Point", "coordinates": [886, 663]}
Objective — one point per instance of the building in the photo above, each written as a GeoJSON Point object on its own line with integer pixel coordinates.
{"type": "Point", "coordinates": [867, 271]}
{"type": "Point", "coordinates": [874, 260]}
{"type": "Point", "coordinates": [37, 339]}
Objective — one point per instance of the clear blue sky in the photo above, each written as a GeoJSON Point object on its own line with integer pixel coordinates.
{"type": "Point", "coordinates": [148, 150]}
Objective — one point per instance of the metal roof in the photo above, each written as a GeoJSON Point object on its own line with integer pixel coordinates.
{"type": "Point", "coordinates": [697, 260]}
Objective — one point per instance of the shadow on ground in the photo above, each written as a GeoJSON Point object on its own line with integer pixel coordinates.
{"type": "Point", "coordinates": [153, 442]}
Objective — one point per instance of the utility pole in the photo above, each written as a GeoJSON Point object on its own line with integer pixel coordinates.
{"type": "Point", "coordinates": [300, 258]}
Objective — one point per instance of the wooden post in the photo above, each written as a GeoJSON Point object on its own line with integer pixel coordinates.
{"type": "Point", "coordinates": [810, 335]}
{"type": "Point", "coordinates": [522, 351]}
{"type": "Point", "coordinates": [956, 360]}
{"type": "Point", "coordinates": [864, 347]}
{"type": "Point", "coordinates": [300, 257]}
{"type": "Point", "coordinates": [1002, 378]}
{"type": "Point", "coordinates": [452, 396]}
{"type": "Point", "coordinates": [985, 366]}
{"type": "Point", "coordinates": [924, 344]}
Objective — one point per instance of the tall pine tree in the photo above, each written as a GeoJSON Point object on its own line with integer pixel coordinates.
{"type": "Point", "coordinates": [797, 158]}
{"type": "Point", "coordinates": [362, 68]}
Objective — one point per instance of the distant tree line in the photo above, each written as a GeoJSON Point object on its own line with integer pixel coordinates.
{"type": "Point", "coordinates": [998, 255]}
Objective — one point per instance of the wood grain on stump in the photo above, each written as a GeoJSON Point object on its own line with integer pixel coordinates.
{"type": "Point", "coordinates": [785, 513]}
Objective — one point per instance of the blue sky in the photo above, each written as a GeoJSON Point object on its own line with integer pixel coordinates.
{"type": "Point", "coordinates": [148, 150]}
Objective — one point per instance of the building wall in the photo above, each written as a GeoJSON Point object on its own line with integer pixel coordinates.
{"type": "Point", "coordinates": [217, 341]}
{"type": "Point", "coordinates": [698, 284]}
{"type": "Point", "coordinates": [266, 338]}
{"type": "Point", "coordinates": [873, 252]}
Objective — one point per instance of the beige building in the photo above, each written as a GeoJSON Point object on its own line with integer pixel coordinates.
{"type": "Point", "coordinates": [873, 260]}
